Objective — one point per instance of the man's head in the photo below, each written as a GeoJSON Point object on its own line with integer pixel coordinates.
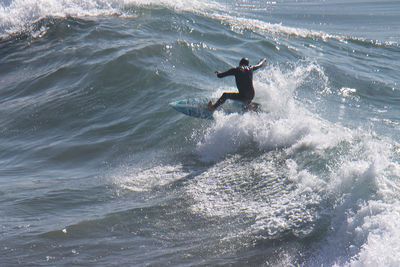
{"type": "Point", "coordinates": [244, 62]}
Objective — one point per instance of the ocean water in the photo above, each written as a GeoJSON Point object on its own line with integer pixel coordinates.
{"type": "Point", "coordinates": [97, 170]}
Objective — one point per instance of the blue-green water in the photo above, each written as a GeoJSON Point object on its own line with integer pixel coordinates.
{"type": "Point", "coordinates": [97, 170]}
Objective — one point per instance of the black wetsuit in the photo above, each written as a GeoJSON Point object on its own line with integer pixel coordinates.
{"type": "Point", "coordinates": [244, 83]}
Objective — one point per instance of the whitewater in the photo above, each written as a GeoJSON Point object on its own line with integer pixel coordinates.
{"type": "Point", "coordinates": [97, 170]}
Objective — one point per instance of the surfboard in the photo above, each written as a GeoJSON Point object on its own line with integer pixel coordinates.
{"type": "Point", "coordinates": [198, 107]}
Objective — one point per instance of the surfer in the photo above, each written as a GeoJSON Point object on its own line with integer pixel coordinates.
{"type": "Point", "coordinates": [244, 83]}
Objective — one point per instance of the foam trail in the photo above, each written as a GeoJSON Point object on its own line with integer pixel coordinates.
{"type": "Point", "coordinates": [146, 179]}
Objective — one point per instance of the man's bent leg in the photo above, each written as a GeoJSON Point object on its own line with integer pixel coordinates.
{"type": "Point", "coordinates": [224, 97]}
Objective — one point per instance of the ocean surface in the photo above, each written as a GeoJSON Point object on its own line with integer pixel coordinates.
{"type": "Point", "coordinates": [97, 170]}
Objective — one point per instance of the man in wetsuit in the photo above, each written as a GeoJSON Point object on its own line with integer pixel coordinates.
{"type": "Point", "coordinates": [244, 82]}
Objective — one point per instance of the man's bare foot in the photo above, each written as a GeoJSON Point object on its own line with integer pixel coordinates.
{"type": "Point", "coordinates": [211, 106]}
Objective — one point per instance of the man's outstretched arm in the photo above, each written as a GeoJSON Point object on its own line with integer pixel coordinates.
{"type": "Point", "coordinates": [226, 73]}
{"type": "Point", "coordinates": [259, 65]}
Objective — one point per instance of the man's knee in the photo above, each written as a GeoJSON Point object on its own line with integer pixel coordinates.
{"type": "Point", "coordinates": [226, 95]}
{"type": "Point", "coordinates": [233, 96]}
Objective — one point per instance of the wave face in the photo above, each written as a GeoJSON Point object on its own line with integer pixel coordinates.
{"type": "Point", "coordinates": [97, 169]}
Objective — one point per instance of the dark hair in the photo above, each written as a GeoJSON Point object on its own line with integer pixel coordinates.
{"type": "Point", "coordinates": [244, 62]}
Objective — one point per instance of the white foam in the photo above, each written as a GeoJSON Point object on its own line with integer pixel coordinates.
{"type": "Point", "coordinates": [20, 15]}
{"type": "Point", "coordinates": [146, 179]}
{"type": "Point", "coordinates": [380, 228]}
{"type": "Point", "coordinates": [257, 190]}
{"type": "Point", "coordinates": [311, 170]}
{"type": "Point", "coordinates": [239, 24]}
{"type": "Point", "coordinates": [364, 189]}
{"type": "Point", "coordinates": [179, 5]}
{"type": "Point", "coordinates": [358, 192]}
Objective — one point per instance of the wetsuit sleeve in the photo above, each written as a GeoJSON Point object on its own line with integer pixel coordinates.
{"type": "Point", "coordinates": [259, 65]}
{"type": "Point", "coordinates": [227, 73]}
